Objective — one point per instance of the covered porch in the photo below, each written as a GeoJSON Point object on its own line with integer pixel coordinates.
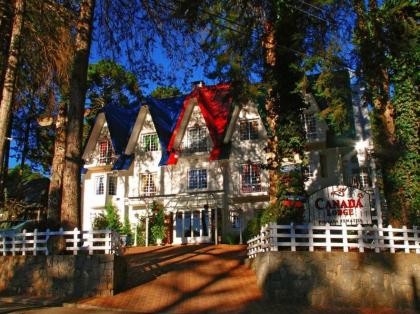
{"type": "Point", "coordinates": [193, 217]}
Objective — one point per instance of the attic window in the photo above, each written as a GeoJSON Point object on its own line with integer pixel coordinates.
{"type": "Point", "coordinates": [197, 140]}
{"type": "Point", "coordinates": [105, 152]}
{"type": "Point", "coordinates": [248, 130]}
{"type": "Point", "coordinates": [311, 126]}
{"type": "Point", "coordinates": [150, 142]}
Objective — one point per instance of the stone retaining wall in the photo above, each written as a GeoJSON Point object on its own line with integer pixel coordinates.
{"type": "Point", "coordinates": [340, 279]}
{"type": "Point", "coordinates": [61, 276]}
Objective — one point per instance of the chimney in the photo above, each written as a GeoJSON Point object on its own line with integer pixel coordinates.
{"type": "Point", "coordinates": [197, 84]}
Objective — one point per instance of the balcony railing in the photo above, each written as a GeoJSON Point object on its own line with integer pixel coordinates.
{"type": "Point", "coordinates": [200, 147]}
{"type": "Point", "coordinates": [96, 161]}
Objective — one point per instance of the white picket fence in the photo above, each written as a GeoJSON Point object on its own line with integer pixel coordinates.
{"type": "Point", "coordinates": [33, 243]}
{"type": "Point", "coordinates": [328, 238]}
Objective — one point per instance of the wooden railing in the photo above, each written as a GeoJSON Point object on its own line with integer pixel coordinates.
{"type": "Point", "coordinates": [33, 243]}
{"type": "Point", "coordinates": [328, 238]}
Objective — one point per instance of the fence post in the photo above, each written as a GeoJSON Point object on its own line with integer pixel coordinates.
{"type": "Point", "coordinates": [327, 237]}
{"type": "Point", "coordinates": [90, 242]}
{"type": "Point", "coordinates": [292, 237]}
{"type": "Point", "coordinates": [344, 235]}
{"type": "Point", "coordinates": [272, 236]}
{"type": "Point", "coordinates": [311, 237]}
{"type": "Point", "coordinates": [416, 239]}
{"type": "Point", "coordinates": [360, 238]}
{"type": "Point", "coordinates": [75, 237]}
{"type": "Point", "coordinates": [406, 243]}
{"type": "Point", "coordinates": [109, 240]}
{"type": "Point", "coordinates": [47, 237]}
{"type": "Point", "coordinates": [24, 242]}
{"type": "Point", "coordinates": [13, 245]}
{"type": "Point", "coordinates": [4, 246]}
{"type": "Point", "coordinates": [35, 241]}
{"type": "Point", "coordinates": [376, 238]}
{"type": "Point", "coordinates": [391, 239]}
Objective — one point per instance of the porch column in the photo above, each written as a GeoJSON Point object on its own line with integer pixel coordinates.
{"type": "Point", "coordinates": [147, 228]}
{"type": "Point", "coordinates": [216, 234]}
{"type": "Point", "coordinates": [201, 223]}
{"type": "Point", "coordinates": [183, 226]}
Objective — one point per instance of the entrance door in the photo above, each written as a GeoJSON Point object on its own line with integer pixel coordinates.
{"type": "Point", "coordinates": [191, 226]}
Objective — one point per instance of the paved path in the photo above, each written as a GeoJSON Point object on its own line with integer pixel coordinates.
{"type": "Point", "coordinates": [200, 279]}
{"type": "Point", "coordinates": [185, 279]}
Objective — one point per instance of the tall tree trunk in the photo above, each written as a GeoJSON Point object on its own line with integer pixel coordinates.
{"type": "Point", "coordinates": [5, 34]}
{"type": "Point", "coordinates": [56, 180]}
{"type": "Point", "coordinates": [4, 170]}
{"type": "Point", "coordinates": [269, 45]}
{"type": "Point", "coordinates": [10, 76]}
{"type": "Point", "coordinates": [70, 204]}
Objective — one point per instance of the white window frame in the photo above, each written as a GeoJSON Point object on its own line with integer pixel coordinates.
{"type": "Point", "coordinates": [200, 179]}
{"type": "Point", "coordinates": [198, 142]}
{"type": "Point", "coordinates": [148, 144]}
{"type": "Point", "coordinates": [112, 185]}
{"type": "Point", "coordinates": [251, 187]}
{"type": "Point", "coordinates": [100, 185]}
{"type": "Point", "coordinates": [105, 156]}
{"type": "Point", "coordinates": [148, 187]}
{"type": "Point", "coordinates": [248, 130]}
{"type": "Point", "coordinates": [311, 126]}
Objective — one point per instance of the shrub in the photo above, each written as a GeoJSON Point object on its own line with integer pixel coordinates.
{"type": "Point", "coordinates": [252, 228]}
{"type": "Point", "coordinates": [158, 228]}
{"type": "Point", "coordinates": [126, 229]}
{"type": "Point", "coordinates": [141, 233]}
{"type": "Point", "coordinates": [231, 238]}
{"type": "Point", "coordinates": [108, 220]}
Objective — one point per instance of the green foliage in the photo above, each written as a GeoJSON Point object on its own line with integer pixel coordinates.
{"type": "Point", "coordinates": [108, 220]}
{"type": "Point", "coordinates": [289, 184]}
{"type": "Point", "coordinates": [231, 239]}
{"type": "Point", "coordinates": [252, 228]}
{"type": "Point", "coordinates": [158, 228]}
{"type": "Point", "coordinates": [109, 83]}
{"type": "Point", "coordinates": [126, 229]}
{"type": "Point", "coordinates": [141, 233]}
{"type": "Point", "coordinates": [386, 39]}
{"type": "Point", "coordinates": [161, 92]}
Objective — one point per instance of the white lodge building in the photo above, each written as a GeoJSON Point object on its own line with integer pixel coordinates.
{"type": "Point", "coordinates": [200, 156]}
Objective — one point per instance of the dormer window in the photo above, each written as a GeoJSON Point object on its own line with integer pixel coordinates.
{"type": "Point", "coordinates": [197, 139]}
{"type": "Point", "coordinates": [310, 126]}
{"type": "Point", "coordinates": [248, 130]}
{"type": "Point", "coordinates": [105, 152]}
{"type": "Point", "coordinates": [150, 142]}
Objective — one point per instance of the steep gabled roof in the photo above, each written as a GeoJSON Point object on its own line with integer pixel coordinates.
{"type": "Point", "coordinates": [165, 115]}
{"type": "Point", "coordinates": [120, 123]}
{"type": "Point", "coordinates": [170, 117]}
{"type": "Point", "coordinates": [215, 104]}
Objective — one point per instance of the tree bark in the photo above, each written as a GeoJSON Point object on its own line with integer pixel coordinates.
{"type": "Point", "coordinates": [56, 180]}
{"type": "Point", "coordinates": [70, 204]}
{"type": "Point", "coordinates": [10, 75]}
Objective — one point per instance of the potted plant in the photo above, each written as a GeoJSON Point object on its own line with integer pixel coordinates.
{"type": "Point", "coordinates": [158, 233]}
